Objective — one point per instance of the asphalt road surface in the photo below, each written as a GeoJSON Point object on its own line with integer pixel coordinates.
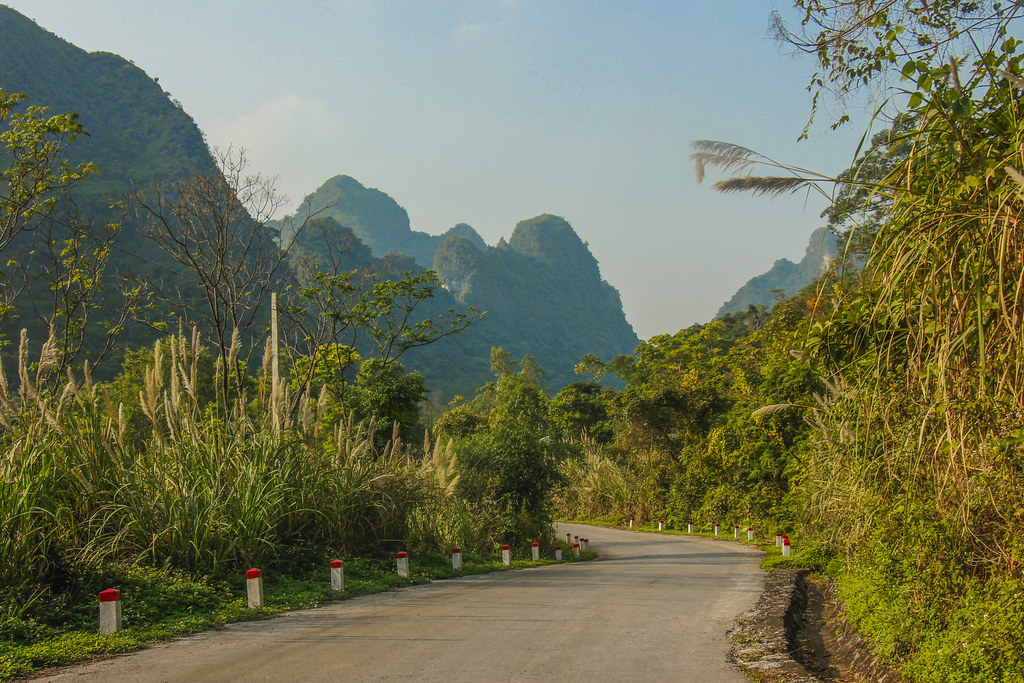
{"type": "Point", "coordinates": [655, 607]}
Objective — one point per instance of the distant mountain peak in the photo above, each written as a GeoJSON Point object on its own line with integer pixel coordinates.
{"type": "Point", "coordinates": [785, 278]}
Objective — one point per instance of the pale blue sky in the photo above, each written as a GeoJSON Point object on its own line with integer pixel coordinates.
{"type": "Point", "coordinates": [489, 111]}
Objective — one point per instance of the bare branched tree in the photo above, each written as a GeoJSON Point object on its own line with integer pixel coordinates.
{"type": "Point", "coordinates": [215, 225]}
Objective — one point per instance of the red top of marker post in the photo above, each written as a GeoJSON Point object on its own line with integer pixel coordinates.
{"type": "Point", "coordinates": [504, 547]}
{"type": "Point", "coordinates": [785, 541]}
{"type": "Point", "coordinates": [778, 533]}
{"type": "Point", "coordinates": [335, 563]}
{"type": "Point", "coordinates": [110, 595]}
{"type": "Point", "coordinates": [661, 521]}
{"type": "Point", "coordinates": [456, 550]}
{"type": "Point", "coordinates": [253, 573]}
{"type": "Point", "coordinates": [575, 545]}
{"type": "Point", "coordinates": [535, 545]}
{"type": "Point", "coordinates": [558, 547]}
{"type": "Point", "coordinates": [750, 528]}
{"type": "Point", "coordinates": [402, 553]}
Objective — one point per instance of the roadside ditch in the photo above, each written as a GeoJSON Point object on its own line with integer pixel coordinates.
{"type": "Point", "coordinates": [796, 633]}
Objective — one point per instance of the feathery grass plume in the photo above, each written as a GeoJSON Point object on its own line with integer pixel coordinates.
{"type": "Point", "coordinates": [440, 466]}
{"type": "Point", "coordinates": [73, 385]}
{"type": "Point", "coordinates": [1012, 78]}
{"type": "Point", "coordinates": [305, 414]}
{"type": "Point", "coordinates": [1014, 174]}
{"type": "Point", "coordinates": [87, 378]}
{"type": "Point", "coordinates": [49, 356]}
{"type": "Point", "coordinates": [768, 186]}
{"type": "Point", "coordinates": [149, 396]}
{"type": "Point", "coordinates": [25, 391]}
{"type": "Point", "coordinates": [175, 393]}
{"type": "Point", "coordinates": [236, 346]}
{"type": "Point", "coordinates": [321, 404]}
{"type": "Point", "coordinates": [65, 396]}
{"type": "Point", "coordinates": [774, 408]}
{"type": "Point", "coordinates": [5, 398]}
{"type": "Point", "coordinates": [723, 156]}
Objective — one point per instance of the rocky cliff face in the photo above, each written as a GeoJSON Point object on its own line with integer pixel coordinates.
{"type": "Point", "coordinates": [379, 221]}
{"type": "Point", "coordinates": [785, 278]}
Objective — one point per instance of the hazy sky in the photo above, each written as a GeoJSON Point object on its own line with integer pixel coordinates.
{"type": "Point", "coordinates": [492, 111]}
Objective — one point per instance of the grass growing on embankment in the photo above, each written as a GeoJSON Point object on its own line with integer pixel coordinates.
{"type": "Point", "coordinates": [161, 604]}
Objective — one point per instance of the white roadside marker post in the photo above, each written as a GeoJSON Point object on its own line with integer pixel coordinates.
{"type": "Point", "coordinates": [736, 531]}
{"type": "Point", "coordinates": [403, 563]}
{"type": "Point", "coordinates": [778, 539]}
{"type": "Point", "coordinates": [630, 522]}
{"type": "Point", "coordinates": [558, 553]}
{"type": "Point", "coordinates": [586, 545]}
{"type": "Point", "coordinates": [110, 611]}
{"type": "Point", "coordinates": [750, 533]}
{"type": "Point", "coordinates": [661, 525]}
{"type": "Point", "coordinates": [254, 587]}
{"type": "Point", "coordinates": [568, 538]}
{"type": "Point", "coordinates": [337, 575]}
{"type": "Point", "coordinates": [576, 549]}
{"type": "Point", "coordinates": [535, 549]}
{"type": "Point", "coordinates": [506, 555]}
{"type": "Point", "coordinates": [689, 527]}
{"type": "Point", "coordinates": [457, 559]}
{"type": "Point", "coordinates": [716, 529]}
{"type": "Point", "coordinates": [785, 546]}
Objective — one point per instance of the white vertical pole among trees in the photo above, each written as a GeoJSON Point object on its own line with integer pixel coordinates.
{"type": "Point", "coordinates": [275, 371]}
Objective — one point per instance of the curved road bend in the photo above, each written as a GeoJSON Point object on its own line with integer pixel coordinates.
{"type": "Point", "coordinates": [653, 608]}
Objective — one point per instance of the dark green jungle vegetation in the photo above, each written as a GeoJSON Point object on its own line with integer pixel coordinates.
{"type": "Point", "coordinates": [876, 416]}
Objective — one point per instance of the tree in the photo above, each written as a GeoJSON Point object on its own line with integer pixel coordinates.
{"type": "Point", "coordinates": [861, 43]}
{"type": "Point", "coordinates": [215, 226]}
{"type": "Point", "coordinates": [34, 174]}
{"type": "Point", "coordinates": [583, 408]}
{"type": "Point", "coordinates": [341, 316]}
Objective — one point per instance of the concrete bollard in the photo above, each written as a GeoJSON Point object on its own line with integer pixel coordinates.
{"type": "Point", "coordinates": [661, 525]}
{"type": "Point", "coordinates": [750, 533]}
{"type": "Point", "coordinates": [456, 559]}
{"type": "Point", "coordinates": [736, 531]}
{"type": "Point", "coordinates": [535, 549]}
{"type": "Point", "coordinates": [586, 544]}
{"type": "Point", "coordinates": [254, 587]}
{"type": "Point", "coordinates": [110, 611]}
{"type": "Point", "coordinates": [558, 553]}
{"type": "Point", "coordinates": [689, 527]}
{"type": "Point", "coordinates": [716, 529]}
{"type": "Point", "coordinates": [576, 549]}
{"type": "Point", "coordinates": [568, 539]}
{"type": "Point", "coordinates": [337, 575]}
{"type": "Point", "coordinates": [785, 546]}
{"type": "Point", "coordinates": [630, 522]}
{"type": "Point", "coordinates": [506, 555]}
{"type": "Point", "coordinates": [778, 539]}
{"type": "Point", "coordinates": [403, 563]}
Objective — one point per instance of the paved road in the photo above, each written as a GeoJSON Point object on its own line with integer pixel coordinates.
{"type": "Point", "coordinates": [653, 608]}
